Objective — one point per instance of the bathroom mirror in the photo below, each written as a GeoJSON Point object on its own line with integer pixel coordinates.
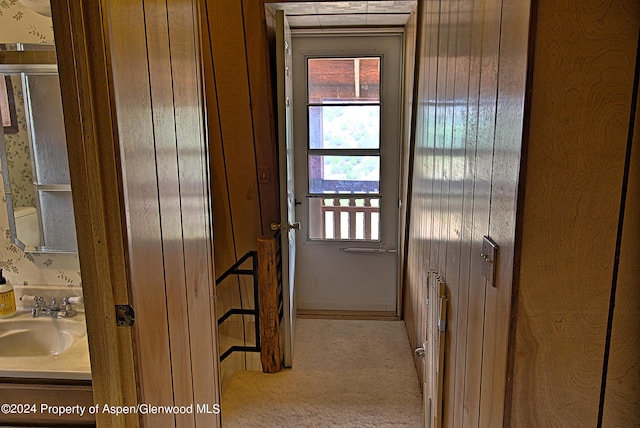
{"type": "Point", "coordinates": [33, 150]}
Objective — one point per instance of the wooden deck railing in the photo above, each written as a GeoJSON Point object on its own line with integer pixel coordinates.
{"type": "Point", "coordinates": [358, 220]}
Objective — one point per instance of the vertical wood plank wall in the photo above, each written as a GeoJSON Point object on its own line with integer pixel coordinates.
{"type": "Point", "coordinates": [155, 60]}
{"type": "Point", "coordinates": [88, 107]}
{"type": "Point", "coordinates": [465, 175]}
{"type": "Point", "coordinates": [582, 83]}
{"type": "Point", "coordinates": [622, 397]}
{"type": "Point", "coordinates": [557, 238]}
{"type": "Point", "coordinates": [243, 155]}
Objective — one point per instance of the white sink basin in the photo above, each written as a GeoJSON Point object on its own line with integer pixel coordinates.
{"type": "Point", "coordinates": [26, 337]}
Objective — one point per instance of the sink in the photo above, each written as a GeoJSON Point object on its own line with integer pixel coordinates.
{"type": "Point", "coordinates": [38, 337]}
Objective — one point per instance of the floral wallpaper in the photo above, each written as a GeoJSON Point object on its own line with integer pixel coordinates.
{"type": "Point", "coordinates": [19, 24]}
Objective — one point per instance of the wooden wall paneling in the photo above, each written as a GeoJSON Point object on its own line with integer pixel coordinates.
{"type": "Point", "coordinates": [414, 280]}
{"type": "Point", "coordinates": [262, 110]}
{"type": "Point", "coordinates": [484, 55]}
{"type": "Point", "coordinates": [410, 280]}
{"type": "Point", "coordinates": [88, 104]}
{"type": "Point", "coordinates": [234, 109]}
{"type": "Point", "coordinates": [416, 289]}
{"type": "Point", "coordinates": [454, 177]}
{"type": "Point", "coordinates": [194, 209]}
{"type": "Point", "coordinates": [458, 254]}
{"type": "Point", "coordinates": [622, 396]}
{"type": "Point", "coordinates": [455, 131]}
{"type": "Point", "coordinates": [407, 156]}
{"type": "Point", "coordinates": [410, 313]}
{"type": "Point", "coordinates": [232, 89]}
{"type": "Point", "coordinates": [417, 266]}
{"type": "Point", "coordinates": [468, 78]}
{"type": "Point", "coordinates": [421, 217]}
{"type": "Point", "coordinates": [578, 124]}
{"type": "Point", "coordinates": [169, 196]}
{"type": "Point", "coordinates": [243, 218]}
{"type": "Point", "coordinates": [511, 82]}
{"type": "Point", "coordinates": [428, 239]}
{"type": "Point", "coordinates": [270, 27]}
{"type": "Point", "coordinates": [423, 175]}
{"type": "Point", "coordinates": [135, 127]}
{"type": "Point", "coordinates": [231, 332]}
{"type": "Point", "coordinates": [441, 161]}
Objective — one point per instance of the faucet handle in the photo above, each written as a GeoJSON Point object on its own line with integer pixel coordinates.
{"type": "Point", "coordinates": [76, 300]}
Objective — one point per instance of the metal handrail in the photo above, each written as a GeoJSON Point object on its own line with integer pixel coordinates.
{"type": "Point", "coordinates": [235, 270]}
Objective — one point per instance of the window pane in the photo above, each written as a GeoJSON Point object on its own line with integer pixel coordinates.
{"type": "Point", "coordinates": [344, 219]}
{"type": "Point", "coordinates": [344, 127]}
{"type": "Point", "coordinates": [343, 80]}
{"type": "Point", "coordinates": [344, 174]}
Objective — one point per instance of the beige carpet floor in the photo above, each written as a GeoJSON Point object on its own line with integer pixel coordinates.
{"type": "Point", "coordinates": [346, 373]}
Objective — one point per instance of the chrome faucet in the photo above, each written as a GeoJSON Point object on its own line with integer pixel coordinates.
{"type": "Point", "coordinates": [54, 309]}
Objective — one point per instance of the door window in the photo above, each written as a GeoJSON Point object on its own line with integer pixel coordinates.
{"type": "Point", "coordinates": [343, 153]}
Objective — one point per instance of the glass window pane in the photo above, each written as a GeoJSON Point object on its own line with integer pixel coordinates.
{"type": "Point", "coordinates": [344, 174]}
{"type": "Point", "coordinates": [344, 127]}
{"type": "Point", "coordinates": [333, 80]}
{"type": "Point", "coordinates": [344, 218]}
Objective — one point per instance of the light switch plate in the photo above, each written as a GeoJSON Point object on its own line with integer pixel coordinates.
{"type": "Point", "coordinates": [489, 259]}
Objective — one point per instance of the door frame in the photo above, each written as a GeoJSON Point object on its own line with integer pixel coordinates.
{"type": "Point", "coordinates": [386, 151]}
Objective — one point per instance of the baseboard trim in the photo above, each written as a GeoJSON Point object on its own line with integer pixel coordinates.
{"type": "Point", "coordinates": [351, 315]}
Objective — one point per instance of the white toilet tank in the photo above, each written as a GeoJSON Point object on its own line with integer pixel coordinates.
{"type": "Point", "coordinates": [27, 225]}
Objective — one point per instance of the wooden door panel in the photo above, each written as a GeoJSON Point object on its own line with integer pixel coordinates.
{"type": "Point", "coordinates": [193, 179]}
{"type": "Point", "coordinates": [133, 93]}
{"type": "Point", "coordinates": [87, 104]}
{"type": "Point", "coordinates": [621, 405]}
{"type": "Point", "coordinates": [146, 67]}
{"type": "Point", "coordinates": [164, 126]}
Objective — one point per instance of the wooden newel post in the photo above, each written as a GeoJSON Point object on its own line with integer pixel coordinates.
{"type": "Point", "coordinates": [269, 321]}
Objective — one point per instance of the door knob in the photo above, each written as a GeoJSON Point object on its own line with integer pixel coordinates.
{"type": "Point", "coordinates": [419, 352]}
{"type": "Point", "coordinates": [286, 227]}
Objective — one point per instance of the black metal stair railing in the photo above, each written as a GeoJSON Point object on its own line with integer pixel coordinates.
{"type": "Point", "coordinates": [236, 270]}
{"type": "Point", "coordinates": [264, 262]}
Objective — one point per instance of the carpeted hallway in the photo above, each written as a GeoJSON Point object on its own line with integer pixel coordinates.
{"type": "Point", "coordinates": [347, 373]}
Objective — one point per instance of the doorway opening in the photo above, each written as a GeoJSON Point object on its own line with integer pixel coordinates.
{"type": "Point", "coordinates": [347, 137]}
{"type": "Point", "coordinates": [340, 145]}
{"type": "Point", "coordinates": [344, 259]}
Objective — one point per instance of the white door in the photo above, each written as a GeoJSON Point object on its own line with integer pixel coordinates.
{"type": "Point", "coordinates": [348, 110]}
{"type": "Point", "coordinates": [287, 197]}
